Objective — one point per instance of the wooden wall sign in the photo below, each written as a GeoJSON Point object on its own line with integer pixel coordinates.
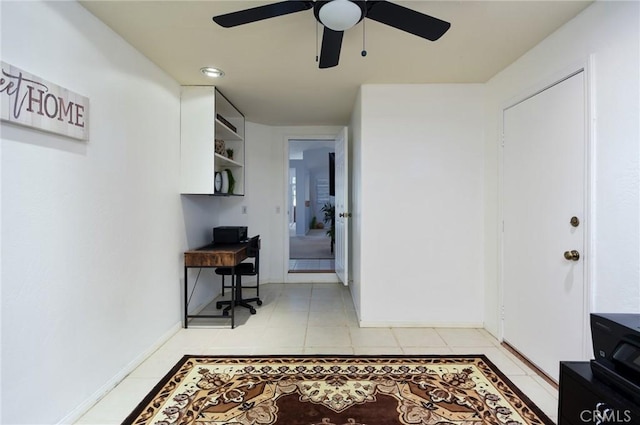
{"type": "Point", "coordinates": [29, 100]}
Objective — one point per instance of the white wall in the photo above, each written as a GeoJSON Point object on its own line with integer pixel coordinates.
{"type": "Point", "coordinates": [263, 197]}
{"type": "Point", "coordinates": [355, 200]}
{"type": "Point", "coordinates": [266, 197]}
{"type": "Point", "coordinates": [610, 32]}
{"type": "Point", "coordinates": [200, 216]}
{"type": "Point", "coordinates": [421, 205]}
{"type": "Point", "coordinates": [92, 233]}
{"type": "Point", "coordinates": [266, 189]}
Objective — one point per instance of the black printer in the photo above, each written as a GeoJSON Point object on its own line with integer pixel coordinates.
{"type": "Point", "coordinates": [229, 234]}
{"type": "Point", "coordinates": [616, 347]}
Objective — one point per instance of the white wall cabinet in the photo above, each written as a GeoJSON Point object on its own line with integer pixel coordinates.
{"type": "Point", "coordinates": [206, 116]}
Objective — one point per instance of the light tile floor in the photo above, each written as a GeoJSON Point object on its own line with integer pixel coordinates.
{"type": "Point", "coordinates": [311, 319]}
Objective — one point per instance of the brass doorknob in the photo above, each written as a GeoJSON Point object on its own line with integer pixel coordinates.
{"type": "Point", "coordinates": [572, 255]}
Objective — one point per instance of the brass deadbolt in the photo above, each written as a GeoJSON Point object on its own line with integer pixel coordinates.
{"type": "Point", "coordinates": [575, 221]}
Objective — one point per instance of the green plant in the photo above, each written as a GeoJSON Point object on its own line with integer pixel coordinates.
{"type": "Point", "coordinates": [230, 153]}
{"type": "Point", "coordinates": [329, 211]}
{"type": "Point", "coordinates": [232, 181]}
{"type": "Point", "coordinates": [314, 220]}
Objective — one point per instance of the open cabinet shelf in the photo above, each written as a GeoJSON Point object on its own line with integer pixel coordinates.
{"type": "Point", "coordinates": [206, 116]}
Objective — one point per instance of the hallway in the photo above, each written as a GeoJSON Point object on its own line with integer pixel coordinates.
{"type": "Point", "coordinates": [311, 253]}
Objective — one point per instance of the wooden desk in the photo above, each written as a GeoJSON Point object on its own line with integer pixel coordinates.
{"type": "Point", "coordinates": [212, 256]}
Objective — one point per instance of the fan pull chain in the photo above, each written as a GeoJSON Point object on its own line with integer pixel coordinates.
{"type": "Point", "coordinates": [364, 50]}
{"type": "Point", "coordinates": [316, 40]}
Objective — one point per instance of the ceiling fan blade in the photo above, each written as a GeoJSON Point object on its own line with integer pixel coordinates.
{"type": "Point", "coordinates": [261, 12]}
{"type": "Point", "coordinates": [407, 20]}
{"type": "Point", "coordinates": [331, 45]}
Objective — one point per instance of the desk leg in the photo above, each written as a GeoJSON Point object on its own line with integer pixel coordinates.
{"type": "Point", "coordinates": [233, 297]}
{"type": "Point", "coordinates": [186, 302]}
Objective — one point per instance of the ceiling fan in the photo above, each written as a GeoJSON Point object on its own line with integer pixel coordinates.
{"type": "Point", "coordinates": [339, 15]}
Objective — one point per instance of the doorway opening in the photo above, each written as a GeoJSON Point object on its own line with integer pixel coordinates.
{"type": "Point", "coordinates": [311, 206]}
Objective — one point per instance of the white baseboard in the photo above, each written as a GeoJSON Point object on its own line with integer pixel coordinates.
{"type": "Point", "coordinates": [368, 324]}
{"type": "Point", "coordinates": [492, 332]}
{"type": "Point", "coordinates": [84, 407]}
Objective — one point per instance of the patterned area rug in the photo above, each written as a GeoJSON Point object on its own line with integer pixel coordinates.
{"type": "Point", "coordinates": [336, 390]}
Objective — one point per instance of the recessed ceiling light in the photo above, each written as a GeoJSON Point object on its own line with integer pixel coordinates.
{"type": "Point", "coordinates": [212, 72]}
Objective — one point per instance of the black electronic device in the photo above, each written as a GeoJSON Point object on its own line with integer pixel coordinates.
{"type": "Point", "coordinates": [616, 347]}
{"type": "Point", "coordinates": [229, 234]}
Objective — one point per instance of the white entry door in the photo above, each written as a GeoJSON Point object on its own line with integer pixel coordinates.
{"type": "Point", "coordinates": [342, 207]}
{"type": "Point", "coordinates": [543, 245]}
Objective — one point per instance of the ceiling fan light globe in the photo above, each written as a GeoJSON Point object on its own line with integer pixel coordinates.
{"type": "Point", "coordinates": [340, 15]}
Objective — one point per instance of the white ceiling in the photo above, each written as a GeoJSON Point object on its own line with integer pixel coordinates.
{"type": "Point", "coordinates": [271, 73]}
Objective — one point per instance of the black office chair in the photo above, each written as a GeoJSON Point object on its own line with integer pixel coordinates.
{"type": "Point", "coordinates": [243, 269]}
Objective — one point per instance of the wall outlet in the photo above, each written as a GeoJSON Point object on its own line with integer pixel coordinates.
{"type": "Point", "coordinates": [277, 210]}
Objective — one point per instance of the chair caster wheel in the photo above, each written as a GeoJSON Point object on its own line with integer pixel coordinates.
{"type": "Point", "coordinates": [252, 311]}
{"type": "Point", "coordinates": [225, 313]}
{"type": "Point", "coordinates": [218, 306]}
{"type": "Point", "coordinates": [259, 302]}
